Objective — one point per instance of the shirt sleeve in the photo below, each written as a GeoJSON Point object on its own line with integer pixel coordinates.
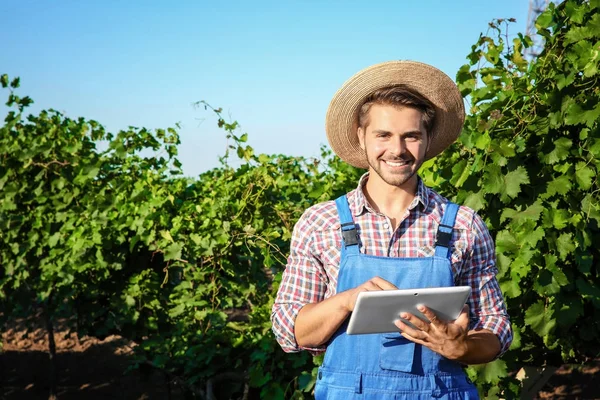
{"type": "Point", "coordinates": [486, 303]}
{"type": "Point", "coordinates": [303, 282]}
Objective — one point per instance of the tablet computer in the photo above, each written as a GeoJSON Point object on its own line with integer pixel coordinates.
{"type": "Point", "coordinates": [376, 311]}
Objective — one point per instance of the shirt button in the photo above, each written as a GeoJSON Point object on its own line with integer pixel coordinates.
{"type": "Point", "coordinates": [386, 225]}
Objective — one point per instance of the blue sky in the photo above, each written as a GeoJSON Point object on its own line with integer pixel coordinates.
{"type": "Point", "coordinates": [271, 65]}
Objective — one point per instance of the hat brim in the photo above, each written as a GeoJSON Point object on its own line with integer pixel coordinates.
{"type": "Point", "coordinates": [341, 123]}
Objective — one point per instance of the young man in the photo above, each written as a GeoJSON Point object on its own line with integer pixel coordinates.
{"type": "Point", "coordinates": [391, 232]}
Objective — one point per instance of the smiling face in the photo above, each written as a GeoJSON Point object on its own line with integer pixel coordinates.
{"type": "Point", "coordinates": [395, 143]}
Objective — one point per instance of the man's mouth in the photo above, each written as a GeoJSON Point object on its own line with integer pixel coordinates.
{"type": "Point", "coordinates": [396, 163]}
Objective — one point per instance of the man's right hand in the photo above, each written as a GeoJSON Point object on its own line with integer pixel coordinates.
{"type": "Point", "coordinates": [375, 283]}
{"type": "Point", "coordinates": [317, 322]}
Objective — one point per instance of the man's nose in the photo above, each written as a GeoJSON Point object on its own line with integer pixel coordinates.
{"type": "Point", "coordinates": [398, 147]}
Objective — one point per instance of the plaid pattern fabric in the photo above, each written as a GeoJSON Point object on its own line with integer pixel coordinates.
{"type": "Point", "coordinates": [313, 264]}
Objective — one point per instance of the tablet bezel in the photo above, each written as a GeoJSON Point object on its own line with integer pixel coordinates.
{"type": "Point", "coordinates": [376, 311]}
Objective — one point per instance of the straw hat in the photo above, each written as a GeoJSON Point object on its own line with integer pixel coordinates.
{"type": "Point", "coordinates": [341, 123]}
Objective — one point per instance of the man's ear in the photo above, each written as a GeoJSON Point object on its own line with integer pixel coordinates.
{"type": "Point", "coordinates": [361, 137]}
{"type": "Point", "coordinates": [428, 138]}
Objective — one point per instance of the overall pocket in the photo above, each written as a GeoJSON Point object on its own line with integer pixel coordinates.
{"type": "Point", "coordinates": [396, 353]}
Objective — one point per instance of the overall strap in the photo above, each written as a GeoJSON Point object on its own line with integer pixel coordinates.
{"type": "Point", "coordinates": [349, 233]}
{"type": "Point", "coordinates": [444, 233]}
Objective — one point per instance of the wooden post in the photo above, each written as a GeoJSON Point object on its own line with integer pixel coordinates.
{"type": "Point", "coordinates": [533, 379]}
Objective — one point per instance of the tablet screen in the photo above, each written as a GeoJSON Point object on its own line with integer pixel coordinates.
{"type": "Point", "coordinates": [376, 311]}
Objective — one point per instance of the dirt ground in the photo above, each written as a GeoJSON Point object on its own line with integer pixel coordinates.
{"type": "Point", "coordinates": [88, 368]}
{"type": "Point", "coordinates": [93, 369]}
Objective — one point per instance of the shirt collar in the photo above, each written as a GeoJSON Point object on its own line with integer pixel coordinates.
{"type": "Point", "coordinates": [361, 204]}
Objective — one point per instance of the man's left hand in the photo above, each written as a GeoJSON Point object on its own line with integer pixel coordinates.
{"type": "Point", "coordinates": [446, 338]}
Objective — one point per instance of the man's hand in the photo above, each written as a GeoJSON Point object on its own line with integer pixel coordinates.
{"type": "Point", "coordinates": [372, 284]}
{"type": "Point", "coordinates": [446, 338]}
{"type": "Point", "coordinates": [316, 323]}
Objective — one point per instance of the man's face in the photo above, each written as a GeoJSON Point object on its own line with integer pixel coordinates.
{"type": "Point", "coordinates": [395, 142]}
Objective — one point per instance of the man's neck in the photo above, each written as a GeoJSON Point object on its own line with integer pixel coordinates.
{"type": "Point", "coordinates": [390, 200]}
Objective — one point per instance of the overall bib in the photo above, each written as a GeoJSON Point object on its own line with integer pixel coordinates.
{"type": "Point", "coordinates": [388, 366]}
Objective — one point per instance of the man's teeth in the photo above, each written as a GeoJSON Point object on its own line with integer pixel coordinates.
{"type": "Point", "coordinates": [396, 163]}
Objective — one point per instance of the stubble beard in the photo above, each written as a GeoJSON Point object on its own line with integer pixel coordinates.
{"type": "Point", "coordinates": [394, 179]}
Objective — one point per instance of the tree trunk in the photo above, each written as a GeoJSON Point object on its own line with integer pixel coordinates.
{"type": "Point", "coordinates": [53, 374]}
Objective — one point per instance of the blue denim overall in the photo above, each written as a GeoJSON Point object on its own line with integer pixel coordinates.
{"type": "Point", "coordinates": [388, 366]}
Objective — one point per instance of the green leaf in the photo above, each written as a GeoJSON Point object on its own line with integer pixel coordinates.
{"type": "Point", "coordinates": [556, 218]}
{"type": "Point", "coordinates": [589, 291]}
{"type": "Point", "coordinates": [167, 235]}
{"type": "Point", "coordinates": [53, 240]}
{"type": "Point", "coordinates": [504, 147]}
{"type": "Point", "coordinates": [173, 252]}
{"type": "Point", "coordinates": [590, 207]}
{"type": "Point", "coordinates": [545, 284]}
{"type": "Point", "coordinates": [517, 56]}
{"type": "Point", "coordinates": [16, 82]}
{"type": "Point", "coordinates": [475, 201]}
{"type": "Point", "coordinates": [575, 115]}
{"type": "Point", "coordinates": [577, 34]}
{"type": "Point", "coordinates": [560, 218]}
{"type": "Point", "coordinates": [460, 173]}
{"type": "Point", "coordinates": [483, 141]}
{"type": "Point", "coordinates": [177, 310]}
{"type": "Point", "coordinates": [306, 381]}
{"type": "Point", "coordinates": [259, 377]}
{"type": "Point", "coordinates": [563, 80]}
{"type": "Point", "coordinates": [512, 183]}
{"type": "Point", "coordinates": [575, 12]}
{"type": "Point", "coordinates": [584, 175]}
{"type": "Point", "coordinates": [506, 242]}
{"type": "Point", "coordinates": [465, 80]}
{"type": "Point", "coordinates": [516, 343]}
{"type": "Point", "coordinates": [491, 372]}
{"type": "Point", "coordinates": [493, 179]}
{"type": "Point", "coordinates": [565, 245]}
{"type": "Point", "coordinates": [521, 265]}
{"type": "Point", "coordinates": [531, 213]}
{"type": "Point", "coordinates": [197, 239]}
{"type": "Point", "coordinates": [569, 312]}
{"type": "Point", "coordinates": [584, 263]}
{"type": "Point", "coordinates": [317, 190]}
{"type": "Point", "coordinates": [130, 301]}
{"type": "Point", "coordinates": [540, 318]}
{"type": "Point", "coordinates": [560, 185]}
{"type": "Point", "coordinates": [532, 237]}
{"type": "Point", "coordinates": [560, 152]}
{"type": "Point", "coordinates": [511, 288]}
{"type": "Point", "coordinates": [544, 20]}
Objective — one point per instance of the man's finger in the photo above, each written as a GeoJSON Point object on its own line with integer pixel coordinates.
{"type": "Point", "coordinates": [371, 286]}
{"type": "Point", "coordinates": [415, 340]}
{"type": "Point", "coordinates": [416, 321]}
{"type": "Point", "coordinates": [409, 332]}
{"type": "Point", "coordinates": [382, 283]}
{"type": "Point", "coordinates": [463, 318]}
{"type": "Point", "coordinates": [433, 319]}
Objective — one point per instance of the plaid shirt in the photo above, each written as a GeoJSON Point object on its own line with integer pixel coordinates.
{"type": "Point", "coordinates": [313, 265]}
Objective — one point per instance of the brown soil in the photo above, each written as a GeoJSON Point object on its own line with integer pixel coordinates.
{"type": "Point", "coordinates": [574, 382]}
{"type": "Point", "coordinates": [88, 368]}
{"type": "Point", "coordinates": [93, 369]}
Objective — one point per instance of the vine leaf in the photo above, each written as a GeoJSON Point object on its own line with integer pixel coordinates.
{"type": "Point", "coordinates": [512, 183]}
{"type": "Point", "coordinates": [540, 319]}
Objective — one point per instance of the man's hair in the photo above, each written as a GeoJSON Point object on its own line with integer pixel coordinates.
{"type": "Point", "coordinates": [398, 96]}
